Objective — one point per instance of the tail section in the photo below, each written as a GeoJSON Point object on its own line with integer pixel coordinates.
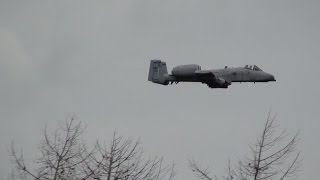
{"type": "Point", "coordinates": [157, 71]}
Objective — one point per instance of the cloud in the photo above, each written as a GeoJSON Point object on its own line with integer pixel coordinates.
{"type": "Point", "coordinates": [15, 64]}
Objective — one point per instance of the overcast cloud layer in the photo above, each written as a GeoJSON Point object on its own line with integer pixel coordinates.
{"type": "Point", "coordinates": [92, 58]}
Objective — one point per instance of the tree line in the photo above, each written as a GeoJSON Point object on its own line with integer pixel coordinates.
{"type": "Point", "coordinates": [64, 155]}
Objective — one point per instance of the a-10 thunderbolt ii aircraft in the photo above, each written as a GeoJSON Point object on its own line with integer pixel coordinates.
{"type": "Point", "coordinates": [216, 78]}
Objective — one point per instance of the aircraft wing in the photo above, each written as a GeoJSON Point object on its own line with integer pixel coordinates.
{"type": "Point", "coordinates": [212, 80]}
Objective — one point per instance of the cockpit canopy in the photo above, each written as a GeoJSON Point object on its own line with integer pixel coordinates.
{"type": "Point", "coordinates": [252, 67]}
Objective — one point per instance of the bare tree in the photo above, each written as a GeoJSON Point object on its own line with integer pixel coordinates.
{"type": "Point", "coordinates": [271, 157]}
{"type": "Point", "coordinates": [61, 154]}
{"type": "Point", "coordinates": [123, 160]}
{"type": "Point", "coordinates": [64, 156]}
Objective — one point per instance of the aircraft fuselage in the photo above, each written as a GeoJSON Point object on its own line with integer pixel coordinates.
{"type": "Point", "coordinates": [215, 78]}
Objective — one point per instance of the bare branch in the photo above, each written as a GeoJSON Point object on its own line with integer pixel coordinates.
{"type": "Point", "coordinates": [200, 172]}
{"type": "Point", "coordinates": [269, 157]}
{"type": "Point", "coordinates": [123, 159]}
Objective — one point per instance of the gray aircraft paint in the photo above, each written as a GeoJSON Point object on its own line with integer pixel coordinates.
{"type": "Point", "coordinates": [216, 78]}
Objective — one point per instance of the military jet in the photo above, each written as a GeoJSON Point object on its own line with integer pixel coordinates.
{"type": "Point", "coordinates": [216, 78]}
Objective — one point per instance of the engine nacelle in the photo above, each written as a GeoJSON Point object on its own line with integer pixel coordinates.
{"type": "Point", "coordinates": [185, 70]}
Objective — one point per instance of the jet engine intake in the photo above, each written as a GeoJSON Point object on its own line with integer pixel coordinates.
{"type": "Point", "coordinates": [185, 70]}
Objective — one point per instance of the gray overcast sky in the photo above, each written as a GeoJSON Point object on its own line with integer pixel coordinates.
{"type": "Point", "coordinates": [92, 58]}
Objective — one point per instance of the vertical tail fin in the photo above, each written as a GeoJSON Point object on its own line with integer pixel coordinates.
{"type": "Point", "coordinates": [157, 71]}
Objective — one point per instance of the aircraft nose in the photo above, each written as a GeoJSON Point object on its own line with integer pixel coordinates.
{"type": "Point", "coordinates": [271, 77]}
